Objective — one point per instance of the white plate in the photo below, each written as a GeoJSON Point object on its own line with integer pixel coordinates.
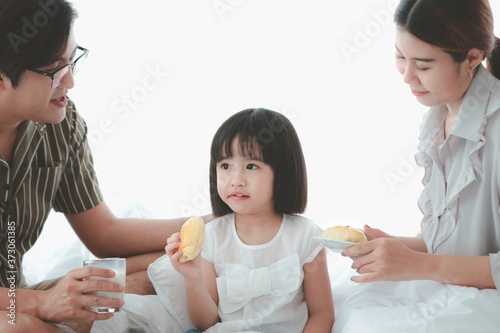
{"type": "Point", "coordinates": [334, 245]}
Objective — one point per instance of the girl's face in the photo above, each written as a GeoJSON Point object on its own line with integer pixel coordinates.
{"type": "Point", "coordinates": [434, 78]}
{"type": "Point", "coordinates": [245, 184]}
{"type": "Point", "coordinates": [34, 98]}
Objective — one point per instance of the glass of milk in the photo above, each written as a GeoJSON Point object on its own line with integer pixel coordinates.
{"type": "Point", "coordinates": [115, 264]}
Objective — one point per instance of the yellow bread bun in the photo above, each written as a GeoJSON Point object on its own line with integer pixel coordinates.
{"type": "Point", "coordinates": [192, 237]}
{"type": "Point", "coordinates": [344, 233]}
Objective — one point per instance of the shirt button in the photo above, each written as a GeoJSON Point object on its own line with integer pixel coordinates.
{"type": "Point", "coordinates": [6, 187]}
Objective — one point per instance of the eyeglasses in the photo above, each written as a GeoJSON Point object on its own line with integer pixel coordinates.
{"type": "Point", "coordinates": [60, 74]}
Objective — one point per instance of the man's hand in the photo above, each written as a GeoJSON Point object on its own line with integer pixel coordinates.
{"type": "Point", "coordinates": [68, 299]}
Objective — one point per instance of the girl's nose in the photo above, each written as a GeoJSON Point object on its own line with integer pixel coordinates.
{"type": "Point", "coordinates": [237, 180]}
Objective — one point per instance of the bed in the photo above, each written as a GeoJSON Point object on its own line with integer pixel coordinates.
{"type": "Point", "coordinates": [414, 306]}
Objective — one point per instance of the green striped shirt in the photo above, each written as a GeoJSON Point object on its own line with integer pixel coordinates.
{"type": "Point", "coordinates": [52, 168]}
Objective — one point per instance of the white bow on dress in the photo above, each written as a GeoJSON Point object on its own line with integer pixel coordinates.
{"type": "Point", "coordinates": [241, 284]}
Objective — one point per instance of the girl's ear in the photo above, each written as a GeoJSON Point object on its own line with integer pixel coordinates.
{"type": "Point", "coordinates": [474, 58]}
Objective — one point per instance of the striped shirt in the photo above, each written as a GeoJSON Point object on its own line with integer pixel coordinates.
{"type": "Point", "coordinates": [52, 168]}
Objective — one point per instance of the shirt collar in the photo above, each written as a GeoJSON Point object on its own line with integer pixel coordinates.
{"type": "Point", "coordinates": [28, 138]}
{"type": "Point", "coordinates": [431, 130]}
{"type": "Point", "coordinates": [474, 106]}
{"type": "Point", "coordinates": [27, 130]}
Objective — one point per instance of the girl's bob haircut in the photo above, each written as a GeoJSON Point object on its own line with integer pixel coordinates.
{"type": "Point", "coordinates": [270, 137]}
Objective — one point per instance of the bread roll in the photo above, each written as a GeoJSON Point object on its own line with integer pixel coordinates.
{"type": "Point", "coordinates": [192, 237]}
{"type": "Point", "coordinates": [344, 233]}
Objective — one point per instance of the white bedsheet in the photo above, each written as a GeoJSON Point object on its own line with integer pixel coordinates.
{"type": "Point", "coordinates": [388, 307]}
{"type": "Point", "coordinates": [415, 306]}
{"type": "Point", "coordinates": [419, 306]}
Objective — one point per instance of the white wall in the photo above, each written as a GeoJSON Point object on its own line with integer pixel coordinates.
{"type": "Point", "coordinates": [328, 65]}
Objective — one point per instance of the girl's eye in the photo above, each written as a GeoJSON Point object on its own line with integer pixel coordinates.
{"type": "Point", "coordinates": [422, 69]}
{"type": "Point", "coordinates": [252, 166]}
{"type": "Point", "coordinates": [225, 166]}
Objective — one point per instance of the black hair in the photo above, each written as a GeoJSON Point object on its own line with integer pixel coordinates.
{"type": "Point", "coordinates": [456, 26]}
{"type": "Point", "coordinates": [33, 34]}
{"type": "Point", "coordinates": [268, 136]}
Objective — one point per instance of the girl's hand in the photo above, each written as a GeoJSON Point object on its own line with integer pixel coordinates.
{"type": "Point", "coordinates": [372, 233]}
{"type": "Point", "coordinates": [190, 269]}
{"type": "Point", "coordinates": [385, 259]}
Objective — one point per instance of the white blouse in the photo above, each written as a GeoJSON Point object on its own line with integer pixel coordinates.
{"type": "Point", "coordinates": [260, 287]}
{"type": "Point", "coordinates": [461, 196]}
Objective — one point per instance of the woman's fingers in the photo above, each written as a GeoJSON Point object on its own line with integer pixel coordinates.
{"type": "Point", "coordinates": [373, 233]}
{"type": "Point", "coordinates": [387, 259]}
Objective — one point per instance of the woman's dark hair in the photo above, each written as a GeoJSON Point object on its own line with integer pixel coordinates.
{"type": "Point", "coordinates": [456, 26]}
{"type": "Point", "coordinates": [268, 136]}
{"type": "Point", "coordinates": [33, 34]}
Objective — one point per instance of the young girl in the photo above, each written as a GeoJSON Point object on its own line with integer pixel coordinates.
{"type": "Point", "coordinates": [261, 269]}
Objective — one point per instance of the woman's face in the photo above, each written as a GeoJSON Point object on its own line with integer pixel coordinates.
{"type": "Point", "coordinates": [434, 78]}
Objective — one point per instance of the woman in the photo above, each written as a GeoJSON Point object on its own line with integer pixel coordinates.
{"type": "Point", "coordinates": [440, 45]}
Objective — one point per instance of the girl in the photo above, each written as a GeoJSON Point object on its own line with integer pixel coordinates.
{"type": "Point", "coordinates": [261, 269]}
{"type": "Point", "coordinates": [439, 48]}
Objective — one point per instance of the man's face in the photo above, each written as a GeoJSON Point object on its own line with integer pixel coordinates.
{"type": "Point", "coordinates": [34, 98]}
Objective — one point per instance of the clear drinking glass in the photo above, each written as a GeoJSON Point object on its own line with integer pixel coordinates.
{"type": "Point", "coordinates": [119, 266]}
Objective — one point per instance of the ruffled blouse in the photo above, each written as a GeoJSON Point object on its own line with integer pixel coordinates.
{"type": "Point", "coordinates": [461, 196]}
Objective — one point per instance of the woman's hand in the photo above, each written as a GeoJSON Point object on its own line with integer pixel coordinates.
{"type": "Point", "coordinates": [385, 259]}
{"type": "Point", "coordinates": [68, 300]}
{"type": "Point", "coordinates": [190, 269]}
{"type": "Point", "coordinates": [372, 233]}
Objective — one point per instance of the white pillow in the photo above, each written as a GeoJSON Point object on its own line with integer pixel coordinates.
{"type": "Point", "coordinates": [169, 285]}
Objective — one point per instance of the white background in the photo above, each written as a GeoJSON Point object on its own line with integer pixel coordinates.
{"type": "Point", "coordinates": [328, 65]}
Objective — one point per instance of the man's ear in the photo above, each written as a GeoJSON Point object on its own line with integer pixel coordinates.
{"type": "Point", "coordinates": [4, 81]}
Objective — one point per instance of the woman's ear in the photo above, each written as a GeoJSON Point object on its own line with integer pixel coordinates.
{"type": "Point", "coordinates": [474, 58]}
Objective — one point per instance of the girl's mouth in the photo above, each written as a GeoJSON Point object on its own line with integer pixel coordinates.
{"type": "Point", "coordinates": [239, 196]}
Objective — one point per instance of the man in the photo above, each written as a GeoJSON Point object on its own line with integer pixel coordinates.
{"type": "Point", "coordinates": [46, 163]}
